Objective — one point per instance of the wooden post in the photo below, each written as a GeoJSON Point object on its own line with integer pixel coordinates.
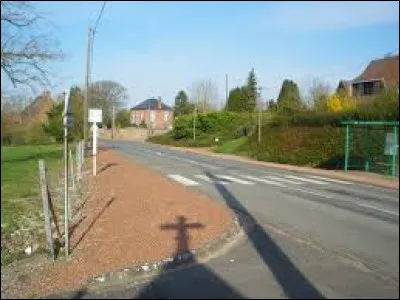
{"type": "Point", "coordinates": [45, 200]}
{"type": "Point", "coordinates": [78, 163]}
{"type": "Point", "coordinates": [72, 170]}
{"type": "Point", "coordinates": [83, 156]}
{"type": "Point", "coordinates": [71, 164]}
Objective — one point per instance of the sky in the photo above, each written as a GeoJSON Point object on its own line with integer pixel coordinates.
{"type": "Point", "coordinates": [155, 49]}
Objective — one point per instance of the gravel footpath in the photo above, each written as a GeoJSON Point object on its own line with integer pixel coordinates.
{"type": "Point", "coordinates": [120, 226]}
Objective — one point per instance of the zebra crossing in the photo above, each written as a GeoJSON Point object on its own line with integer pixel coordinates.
{"type": "Point", "coordinates": [244, 179]}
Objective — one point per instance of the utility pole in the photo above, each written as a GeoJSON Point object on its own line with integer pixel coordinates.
{"type": "Point", "coordinates": [194, 121]}
{"type": "Point", "coordinates": [86, 100]}
{"type": "Point", "coordinates": [148, 118]}
{"type": "Point", "coordinates": [259, 113]}
{"type": "Point", "coordinates": [226, 89]}
{"type": "Point", "coordinates": [113, 121]}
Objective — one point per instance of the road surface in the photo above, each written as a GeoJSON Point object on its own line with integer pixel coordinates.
{"type": "Point", "coordinates": [314, 236]}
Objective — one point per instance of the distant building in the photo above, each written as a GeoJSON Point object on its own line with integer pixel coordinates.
{"type": "Point", "coordinates": [152, 113]}
{"type": "Point", "coordinates": [379, 74]}
{"type": "Point", "coordinates": [37, 110]}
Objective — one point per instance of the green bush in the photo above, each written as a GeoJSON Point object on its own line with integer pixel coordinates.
{"type": "Point", "coordinates": [299, 145]}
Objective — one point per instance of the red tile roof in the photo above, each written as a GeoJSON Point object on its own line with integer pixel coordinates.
{"type": "Point", "coordinates": [386, 68]}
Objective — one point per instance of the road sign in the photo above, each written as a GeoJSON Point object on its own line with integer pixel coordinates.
{"type": "Point", "coordinates": [95, 115]}
{"type": "Point", "coordinates": [67, 103]}
{"type": "Point", "coordinates": [68, 120]}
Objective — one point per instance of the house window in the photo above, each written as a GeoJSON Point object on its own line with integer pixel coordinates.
{"type": "Point", "coordinates": [152, 116]}
{"type": "Point", "coordinates": [166, 116]}
{"type": "Point", "coordinates": [133, 118]}
{"type": "Point", "coordinates": [368, 88]}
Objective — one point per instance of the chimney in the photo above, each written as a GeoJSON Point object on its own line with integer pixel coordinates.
{"type": "Point", "coordinates": [159, 103]}
{"type": "Point", "coordinates": [46, 93]}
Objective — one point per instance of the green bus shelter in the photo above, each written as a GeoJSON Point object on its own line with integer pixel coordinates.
{"type": "Point", "coordinates": [372, 146]}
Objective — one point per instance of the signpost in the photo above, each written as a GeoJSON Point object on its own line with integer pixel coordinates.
{"type": "Point", "coordinates": [95, 116]}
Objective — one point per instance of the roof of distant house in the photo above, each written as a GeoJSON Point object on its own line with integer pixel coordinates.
{"type": "Point", "coordinates": [38, 108]}
{"type": "Point", "coordinates": [151, 104]}
{"type": "Point", "coordinates": [386, 68]}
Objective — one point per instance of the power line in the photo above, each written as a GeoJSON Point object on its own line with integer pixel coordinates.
{"type": "Point", "coordinates": [98, 18]}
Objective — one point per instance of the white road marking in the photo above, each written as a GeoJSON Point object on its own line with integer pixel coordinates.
{"type": "Point", "coordinates": [305, 179]}
{"type": "Point", "coordinates": [377, 208]}
{"type": "Point", "coordinates": [208, 179]}
{"type": "Point", "coordinates": [262, 180]}
{"type": "Point", "coordinates": [282, 179]}
{"type": "Point", "coordinates": [193, 162]}
{"type": "Point", "coordinates": [349, 201]}
{"type": "Point", "coordinates": [311, 192]}
{"type": "Point", "coordinates": [329, 179]}
{"type": "Point", "coordinates": [183, 180]}
{"type": "Point", "coordinates": [234, 179]}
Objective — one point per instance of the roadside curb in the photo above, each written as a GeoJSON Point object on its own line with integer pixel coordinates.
{"type": "Point", "coordinates": [379, 182]}
{"type": "Point", "coordinates": [145, 271]}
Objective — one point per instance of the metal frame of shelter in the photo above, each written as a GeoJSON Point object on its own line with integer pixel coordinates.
{"type": "Point", "coordinates": [393, 161]}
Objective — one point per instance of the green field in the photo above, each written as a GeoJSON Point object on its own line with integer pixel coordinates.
{"type": "Point", "coordinates": [21, 205]}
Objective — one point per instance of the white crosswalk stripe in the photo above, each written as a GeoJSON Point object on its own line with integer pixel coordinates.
{"type": "Point", "coordinates": [262, 180]}
{"type": "Point", "coordinates": [212, 180]}
{"type": "Point", "coordinates": [234, 179]}
{"type": "Point", "coordinates": [305, 179]}
{"type": "Point", "coordinates": [278, 180]}
{"type": "Point", "coordinates": [330, 179]}
{"type": "Point", "coordinates": [183, 180]}
{"type": "Point", "coordinates": [283, 180]}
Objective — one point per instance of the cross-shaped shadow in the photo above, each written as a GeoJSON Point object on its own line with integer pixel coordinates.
{"type": "Point", "coordinates": [182, 236]}
{"type": "Point", "coordinates": [194, 282]}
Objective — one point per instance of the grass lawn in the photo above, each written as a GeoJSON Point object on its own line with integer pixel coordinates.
{"type": "Point", "coordinates": [236, 146]}
{"type": "Point", "coordinates": [21, 204]}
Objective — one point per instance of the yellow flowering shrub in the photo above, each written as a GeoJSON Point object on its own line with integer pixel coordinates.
{"type": "Point", "coordinates": [338, 103]}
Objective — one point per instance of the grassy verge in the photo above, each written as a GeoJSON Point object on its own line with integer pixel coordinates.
{"type": "Point", "coordinates": [236, 146]}
{"type": "Point", "coordinates": [21, 206]}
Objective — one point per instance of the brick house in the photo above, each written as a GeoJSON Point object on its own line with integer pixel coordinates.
{"type": "Point", "coordinates": [153, 113]}
{"type": "Point", "coordinates": [379, 74]}
{"type": "Point", "coordinates": [37, 110]}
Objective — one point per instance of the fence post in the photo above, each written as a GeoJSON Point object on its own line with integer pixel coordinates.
{"type": "Point", "coordinates": [45, 200]}
{"type": "Point", "coordinates": [72, 170]}
{"type": "Point", "coordinates": [78, 157]}
{"type": "Point", "coordinates": [83, 155]}
{"type": "Point", "coordinates": [71, 163]}
{"type": "Point", "coordinates": [346, 150]}
{"type": "Point", "coordinates": [395, 147]}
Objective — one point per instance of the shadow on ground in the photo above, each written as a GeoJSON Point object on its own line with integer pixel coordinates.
{"type": "Point", "coordinates": [109, 202]}
{"type": "Point", "coordinates": [293, 283]}
{"type": "Point", "coordinates": [106, 167]}
{"type": "Point", "coordinates": [198, 282]}
{"type": "Point", "coordinates": [193, 282]}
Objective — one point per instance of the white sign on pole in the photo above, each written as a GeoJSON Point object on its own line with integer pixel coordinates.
{"type": "Point", "coordinates": [67, 104]}
{"type": "Point", "coordinates": [67, 114]}
{"type": "Point", "coordinates": [390, 147]}
{"type": "Point", "coordinates": [95, 115]}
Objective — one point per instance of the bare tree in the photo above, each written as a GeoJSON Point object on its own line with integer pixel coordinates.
{"type": "Point", "coordinates": [318, 94]}
{"type": "Point", "coordinates": [24, 53]}
{"type": "Point", "coordinates": [107, 94]}
{"type": "Point", "coordinates": [204, 93]}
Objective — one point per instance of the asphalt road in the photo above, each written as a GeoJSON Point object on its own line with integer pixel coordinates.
{"type": "Point", "coordinates": [313, 237]}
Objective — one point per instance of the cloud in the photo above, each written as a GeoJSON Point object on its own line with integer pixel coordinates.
{"type": "Point", "coordinates": [332, 15]}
